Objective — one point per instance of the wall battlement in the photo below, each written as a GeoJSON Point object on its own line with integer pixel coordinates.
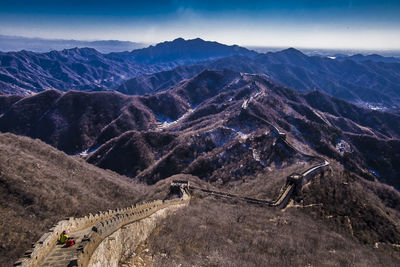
{"type": "Point", "coordinates": [103, 224]}
{"type": "Point", "coordinates": [105, 228]}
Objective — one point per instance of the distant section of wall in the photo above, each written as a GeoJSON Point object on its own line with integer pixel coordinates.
{"type": "Point", "coordinates": [308, 174]}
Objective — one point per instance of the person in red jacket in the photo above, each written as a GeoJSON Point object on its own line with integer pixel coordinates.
{"type": "Point", "coordinates": [70, 242]}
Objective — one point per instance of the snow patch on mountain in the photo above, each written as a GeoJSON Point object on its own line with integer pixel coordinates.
{"type": "Point", "coordinates": [166, 123]}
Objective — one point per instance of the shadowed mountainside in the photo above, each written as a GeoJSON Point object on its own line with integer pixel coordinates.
{"type": "Point", "coordinates": [159, 81]}
{"type": "Point", "coordinates": [372, 57]}
{"type": "Point", "coordinates": [73, 120]}
{"type": "Point", "coordinates": [204, 124]}
{"type": "Point", "coordinates": [220, 111]}
{"type": "Point", "coordinates": [83, 69]}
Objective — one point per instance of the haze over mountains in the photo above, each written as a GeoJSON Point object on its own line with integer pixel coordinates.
{"type": "Point", "coordinates": [40, 45]}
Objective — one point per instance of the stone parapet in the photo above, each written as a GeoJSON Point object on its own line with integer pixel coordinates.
{"type": "Point", "coordinates": [105, 222]}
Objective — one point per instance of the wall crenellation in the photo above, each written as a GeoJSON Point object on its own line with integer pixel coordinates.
{"type": "Point", "coordinates": [106, 228]}
{"type": "Point", "coordinates": [103, 224]}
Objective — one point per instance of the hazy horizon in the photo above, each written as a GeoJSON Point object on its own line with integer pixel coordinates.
{"type": "Point", "coordinates": [361, 25]}
{"type": "Point", "coordinates": [259, 48]}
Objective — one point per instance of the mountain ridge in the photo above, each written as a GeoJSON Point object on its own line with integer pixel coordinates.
{"type": "Point", "coordinates": [366, 83]}
{"type": "Point", "coordinates": [187, 51]}
{"type": "Point", "coordinates": [86, 69]}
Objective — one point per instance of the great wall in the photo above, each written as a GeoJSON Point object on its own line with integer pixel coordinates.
{"type": "Point", "coordinates": [89, 232]}
{"type": "Point", "coordinates": [105, 238]}
{"type": "Point", "coordinates": [293, 182]}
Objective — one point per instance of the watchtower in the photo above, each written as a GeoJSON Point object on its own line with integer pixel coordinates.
{"type": "Point", "coordinates": [295, 178]}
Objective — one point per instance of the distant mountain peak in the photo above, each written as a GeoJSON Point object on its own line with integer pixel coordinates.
{"type": "Point", "coordinates": [180, 39]}
{"type": "Point", "coordinates": [187, 52]}
{"type": "Point", "coordinates": [81, 50]}
{"type": "Point", "coordinates": [292, 50]}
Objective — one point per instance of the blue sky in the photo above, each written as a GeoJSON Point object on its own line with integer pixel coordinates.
{"type": "Point", "coordinates": [361, 24]}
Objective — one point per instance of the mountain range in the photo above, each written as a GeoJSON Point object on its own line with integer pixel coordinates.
{"type": "Point", "coordinates": [213, 101]}
{"type": "Point", "coordinates": [372, 84]}
{"type": "Point", "coordinates": [370, 81]}
{"type": "Point", "coordinates": [86, 69]}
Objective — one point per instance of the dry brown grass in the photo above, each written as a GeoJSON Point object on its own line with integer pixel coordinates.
{"type": "Point", "coordinates": [370, 210]}
{"type": "Point", "coordinates": [40, 185]}
{"type": "Point", "coordinates": [218, 232]}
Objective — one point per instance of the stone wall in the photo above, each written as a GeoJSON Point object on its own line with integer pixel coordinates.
{"type": "Point", "coordinates": [122, 243]}
{"type": "Point", "coordinates": [308, 174]}
{"type": "Point", "coordinates": [104, 224]}
{"type": "Point", "coordinates": [101, 231]}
